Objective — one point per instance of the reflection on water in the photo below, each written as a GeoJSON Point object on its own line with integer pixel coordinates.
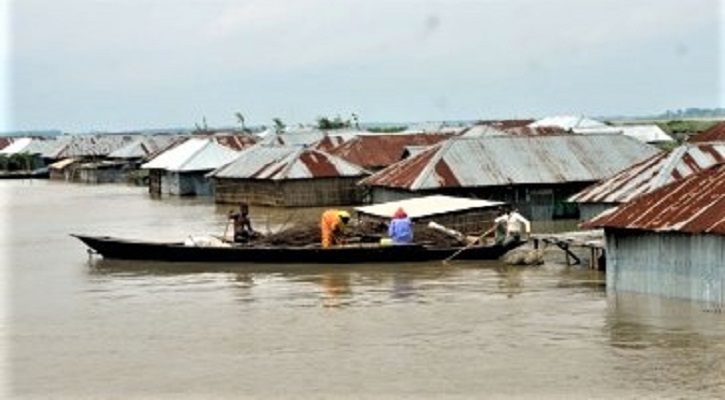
{"type": "Point", "coordinates": [83, 327]}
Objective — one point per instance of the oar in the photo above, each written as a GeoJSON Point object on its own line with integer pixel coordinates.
{"type": "Point", "coordinates": [468, 246]}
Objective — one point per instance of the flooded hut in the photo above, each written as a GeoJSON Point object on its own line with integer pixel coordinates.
{"type": "Point", "coordinates": [181, 170]}
{"type": "Point", "coordinates": [670, 241]}
{"type": "Point", "coordinates": [648, 175]}
{"type": "Point", "coordinates": [536, 174]}
{"type": "Point", "coordinates": [462, 214]}
{"type": "Point", "coordinates": [288, 176]}
{"type": "Point", "coordinates": [377, 151]}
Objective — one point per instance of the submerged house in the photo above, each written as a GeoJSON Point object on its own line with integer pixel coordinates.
{"type": "Point", "coordinates": [534, 173]}
{"type": "Point", "coordinates": [181, 170]}
{"type": "Point", "coordinates": [288, 176]}
{"type": "Point", "coordinates": [650, 174]}
{"type": "Point", "coordinates": [459, 213]}
{"type": "Point", "coordinates": [377, 151]}
{"type": "Point", "coordinates": [670, 241]}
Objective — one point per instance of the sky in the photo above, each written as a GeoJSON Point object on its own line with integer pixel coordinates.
{"type": "Point", "coordinates": [119, 65]}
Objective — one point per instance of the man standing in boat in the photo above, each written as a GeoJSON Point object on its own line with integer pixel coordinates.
{"type": "Point", "coordinates": [332, 227]}
{"type": "Point", "coordinates": [243, 231]}
{"type": "Point", "coordinates": [513, 222]}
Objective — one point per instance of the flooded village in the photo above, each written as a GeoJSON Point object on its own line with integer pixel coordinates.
{"type": "Point", "coordinates": [623, 294]}
{"type": "Point", "coordinates": [664, 236]}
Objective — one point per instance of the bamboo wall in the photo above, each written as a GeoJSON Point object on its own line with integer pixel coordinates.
{"type": "Point", "coordinates": [320, 192]}
{"type": "Point", "coordinates": [675, 265]}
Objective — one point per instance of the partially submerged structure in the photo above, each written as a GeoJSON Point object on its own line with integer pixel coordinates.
{"type": "Point", "coordinates": [288, 176]}
{"type": "Point", "coordinates": [460, 213]}
{"type": "Point", "coordinates": [181, 170]}
{"type": "Point", "coordinates": [650, 174]}
{"type": "Point", "coordinates": [377, 151]}
{"type": "Point", "coordinates": [670, 241]}
{"type": "Point", "coordinates": [536, 174]}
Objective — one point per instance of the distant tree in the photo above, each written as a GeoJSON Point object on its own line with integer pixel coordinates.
{"type": "Point", "coordinates": [324, 123]}
{"type": "Point", "coordinates": [279, 126]}
{"type": "Point", "coordinates": [201, 129]}
{"type": "Point", "coordinates": [240, 119]}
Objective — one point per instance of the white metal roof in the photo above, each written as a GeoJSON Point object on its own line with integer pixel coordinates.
{"type": "Point", "coordinates": [420, 207]}
{"type": "Point", "coordinates": [567, 122]}
{"type": "Point", "coordinates": [193, 155]}
{"type": "Point", "coordinates": [649, 133]}
{"type": "Point", "coordinates": [18, 146]}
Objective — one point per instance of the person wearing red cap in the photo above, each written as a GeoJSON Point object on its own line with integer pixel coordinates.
{"type": "Point", "coordinates": [401, 228]}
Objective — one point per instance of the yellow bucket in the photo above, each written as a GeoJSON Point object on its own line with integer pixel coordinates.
{"type": "Point", "coordinates": [386, 241]}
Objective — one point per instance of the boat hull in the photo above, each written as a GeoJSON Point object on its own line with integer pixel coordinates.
{"type": "Point", "coordinates": [123, 249]}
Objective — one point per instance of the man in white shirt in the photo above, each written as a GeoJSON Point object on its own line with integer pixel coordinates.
{"type": "Point", "coordinates": [513, 222]}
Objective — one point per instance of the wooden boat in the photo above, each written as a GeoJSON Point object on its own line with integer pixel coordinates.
{"type": "Point", "coordinates": [124, 249]}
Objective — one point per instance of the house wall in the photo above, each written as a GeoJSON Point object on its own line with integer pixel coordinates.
{"type": "Point", "coordinates": [99, 175]}
{"type": "Point", "coordinates": [590, 210]}
{"type": "Point", "coordinates": [675, 265]}
{"type": "Point", "coordinates": [535, 202]}
{"type": "Point", "coordinates": [155, 179]}
{"type": "Point", "coordinates": [318, 192]}
{"type": "Point", "coordinates": [185, 184]}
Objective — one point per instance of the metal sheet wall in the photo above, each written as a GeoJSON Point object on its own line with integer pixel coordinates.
{"type": "Point", "coordinates": [675, 265]}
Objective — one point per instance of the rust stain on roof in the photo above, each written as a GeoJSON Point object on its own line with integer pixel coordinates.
{"type": "Point", "coordinates": [716, 133]}
{"type": "Point", "coordinates": [376, 151]}
{"type": "Point", "coordinates": [445, 175]}
{"type": "Point", "coordinates": [318, 164]}
{"type": "Point", "coordinates": [694, 205]}
{"type": "Point", "coordinates": [404, 173]}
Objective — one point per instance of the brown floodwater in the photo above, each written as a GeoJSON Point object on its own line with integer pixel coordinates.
{"type": "Point", "coordinates": [82, 327]}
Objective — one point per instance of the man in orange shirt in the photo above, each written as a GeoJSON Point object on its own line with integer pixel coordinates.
{"type": "Point", "coordinates": [332, 225]}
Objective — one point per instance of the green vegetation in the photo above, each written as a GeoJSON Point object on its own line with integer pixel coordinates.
{"type": "Point", "coordinates": [388, 129]}
{"type": "Point", "coordinates": [324, 123]}
{"type": "Point", "coordinates": [16, 162]}
{"type": "Point", "coordinates": [279, 126]}
{"type": "Point", "coordinates": [680, 130]}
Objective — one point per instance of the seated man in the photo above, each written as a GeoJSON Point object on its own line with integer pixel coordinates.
{"type": "Point", "coordinates": [243, 231]}
{"type": "Point", "coordinates": [401, 228]}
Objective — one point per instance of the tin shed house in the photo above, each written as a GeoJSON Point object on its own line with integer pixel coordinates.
{"type": "Point", "coordinates": [181, 170]}
{"type": "Point", "coordinates": [670, 241]}
{"type": "Point", "coordinates": [648, 175]}
{"type": "Point", "coordinates": [534, 173]}
{"type": "Point", "coordinates": [288, 176]}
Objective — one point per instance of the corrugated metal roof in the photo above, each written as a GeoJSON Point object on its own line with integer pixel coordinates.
{"type": "Point", "coordinates": [644, 133]}
{"type": "Point", "coordinates": [652, 173]}
{"type": "Point", "coordinates": [50, 148]}
{"type": "Point", "coordinates": [308, 137]}
{"type": "Point", "coordinates": [62, 163]}
{"type": "Point", "coordinates": [567, 122]}
{"type": "Point", "coordinates": [483, 131]}
{"type": "Point", "coordinates": [715, 133]}
{"type": "Point", "coordinates": [144, 146]}
{"type": "Point", "coordinates": [420, 207]}
{"type": "Point", "coordinates": [694, 205]}
{"type": "Point", "coordinates": [381, 150]}
{"type": "Point", "coordinates": [287, 162]}
{"type": "Point", "coordinates": [193, 155]}
{"type": "Point", "coordinates": [496, 161]}
{"type": "Point", "coordinates": [19, 145]}
{"type": "Point", "coordinates": [95, 145]}
{"type": "Point", "coordinates": [6, 141]}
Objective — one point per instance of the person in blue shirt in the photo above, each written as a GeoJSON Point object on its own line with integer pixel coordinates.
{"type": "Point", "coordinates": [401, 228]}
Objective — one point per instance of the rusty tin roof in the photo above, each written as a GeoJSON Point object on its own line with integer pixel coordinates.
{"type": "Point", "coordinates": [375, 151]}
{"type": "Point", "coordinates": [505, 160]}
{"type": "Point", "coordinates": [652, 173]}
{"type": "Point", "coordinates": [695, 204]}
{"type": "Point", "coordinates": [287, 162]}
{"type": "Point", "coordinates": [715, 133]}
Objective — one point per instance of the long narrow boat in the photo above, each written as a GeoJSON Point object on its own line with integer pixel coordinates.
{"type": "Point", "coordinates": [124, 249]}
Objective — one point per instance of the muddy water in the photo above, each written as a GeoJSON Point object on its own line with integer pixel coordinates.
{"type": "Point", "coordinates": [80, 327]}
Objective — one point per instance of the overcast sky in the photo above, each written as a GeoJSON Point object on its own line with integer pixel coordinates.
{"type": "Point", "coordinates": [112, 65]}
